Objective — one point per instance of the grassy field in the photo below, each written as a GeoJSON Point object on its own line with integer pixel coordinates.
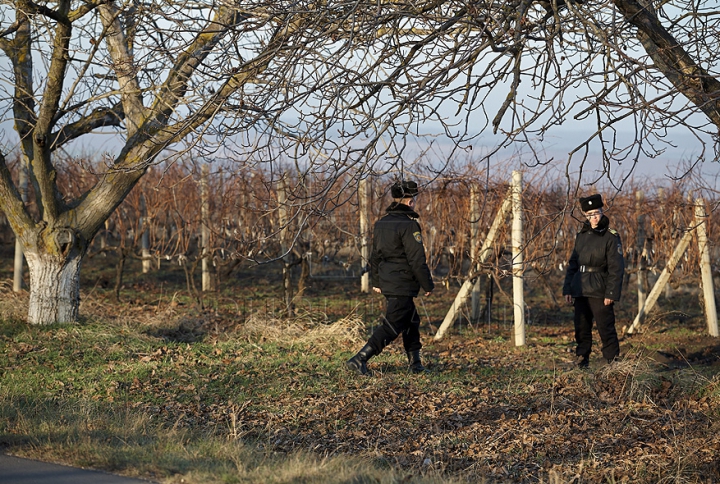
{"type": "Point", "coordinates": [156, 387]}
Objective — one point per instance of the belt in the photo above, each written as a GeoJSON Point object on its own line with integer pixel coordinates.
{"type": "Point", "coordinates": [591, 269]}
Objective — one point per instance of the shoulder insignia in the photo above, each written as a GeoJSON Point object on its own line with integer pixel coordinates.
{"type": "Point", "coordinates": [418, 237]}
{"type": "Point", "coordinates": [613, 231]}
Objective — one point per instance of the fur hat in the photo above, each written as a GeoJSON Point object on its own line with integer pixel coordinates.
{"type": "Point", "coordinates": [593, 202]}
{"type": "Point", "coordinates": [405, 189]}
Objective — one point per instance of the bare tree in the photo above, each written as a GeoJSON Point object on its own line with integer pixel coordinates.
{"type": "Point", "coordinates": [335, 87]}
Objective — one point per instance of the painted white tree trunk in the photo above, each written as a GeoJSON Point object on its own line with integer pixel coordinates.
{"type": "Point", "coordinates": [54, 288]}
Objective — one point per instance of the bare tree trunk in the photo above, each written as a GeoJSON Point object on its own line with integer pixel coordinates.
{"type": "Point", "coordinates": [120, 271]}
{"type": "Point", "coordinates": [54, 288]}
{"type": "Point", "coordinates": [190, 281]}
{"type": "Point", "coordinates": [304, 276]}
{"type": "Point", "coordinates": [284, 220]}
{"type": "Point", "coordinates": [489, 293]}
{"type": "Point", "coordinates": [474, 248]}
{"type": "Point", "coordinates": [19, 257]}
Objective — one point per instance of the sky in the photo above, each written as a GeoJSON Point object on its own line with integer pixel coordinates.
{"type": "Point", "coordinates": [666, 167]}
{"type": "Point", "coordinates": [556, 146]}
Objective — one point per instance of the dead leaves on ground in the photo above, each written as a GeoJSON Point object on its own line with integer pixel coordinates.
{"type": "Point", "coordinates": [487, 413]}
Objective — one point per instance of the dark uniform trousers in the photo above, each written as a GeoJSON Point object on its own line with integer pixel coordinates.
{"type": "Point", "coordinates": [401, 317]}
{"type": "Point", "coordinates": [587, 308]}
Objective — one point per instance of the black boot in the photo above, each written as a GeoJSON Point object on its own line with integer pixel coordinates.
{"type": "Point", "coordinates": [416, 365]}
{"type": "Point", "coordinates": [358, 363]}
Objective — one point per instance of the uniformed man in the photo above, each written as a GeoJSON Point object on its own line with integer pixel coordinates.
{"type": "Point", "coordinates": [593, 281]}
{"type": "Point", "coordinates": [398, 270]}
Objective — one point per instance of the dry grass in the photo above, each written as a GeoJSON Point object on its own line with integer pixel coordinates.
{"type": "Point", "coordinates": [350, 329]}
{"type": "Point", "coordinates": [181, 395]}
{"type": "Point", "coordinates": [131, 443]}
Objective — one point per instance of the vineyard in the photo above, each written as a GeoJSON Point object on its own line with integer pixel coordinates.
{"type": "Point", "coordinates": [253, 365]}
{"type": "Point", "coordinates": [181, 215]}
{"type": "Point", "coordinates": [179, 304]}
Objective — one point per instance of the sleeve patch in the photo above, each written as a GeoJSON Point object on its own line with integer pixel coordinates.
{"type": "Point", "coordinates": [418, 237]}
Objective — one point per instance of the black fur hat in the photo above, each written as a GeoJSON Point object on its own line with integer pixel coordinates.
{"type": "Point", "coordinates": [405, 189]}
{"type": "Point", "coordinates": [593, 202]}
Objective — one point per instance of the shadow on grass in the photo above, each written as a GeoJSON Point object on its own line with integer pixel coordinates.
{"type": "Point", "coordinates": [124, 440]}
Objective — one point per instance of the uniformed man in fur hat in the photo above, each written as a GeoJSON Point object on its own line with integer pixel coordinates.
{"type": "Point", "coordinates": [593, 281]}
{"type": "Point", "coordinates": [399, 271]}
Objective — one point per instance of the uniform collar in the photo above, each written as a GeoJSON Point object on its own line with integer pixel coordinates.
{"type": "Point", "coordinates": [396, 207]}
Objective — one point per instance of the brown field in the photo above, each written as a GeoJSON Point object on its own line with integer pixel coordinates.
{"type": "Point", "coordinates": [238, 370]}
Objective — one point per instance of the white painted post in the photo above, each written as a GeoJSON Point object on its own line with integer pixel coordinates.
{"type": "Point", "coordinates": [485, 252]}
{"type": "Point", "coordinates": [144, 236]}
{"type": "Point", "coordinates": [707, 284]}
{"type": "Point", "coordinates": [205, 228]}
{"type": "Point", "coordinates": [364, 208]}
{"type": "Point", "coordinates": [662, 281]}
{"type": "Point", "coordinates": [517, 246]}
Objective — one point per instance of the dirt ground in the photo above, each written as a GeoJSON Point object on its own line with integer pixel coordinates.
{"type": "Point", "coordinates": [488, 411]}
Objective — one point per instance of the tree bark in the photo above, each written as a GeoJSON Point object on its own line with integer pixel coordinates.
{"type": "Point", "coordinates": [675, 63]}
{"type": "Point", "coordinates": [54, 287]}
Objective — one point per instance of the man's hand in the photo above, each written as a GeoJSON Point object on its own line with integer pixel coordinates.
{"type": "Point", "coordinates": [377, 290]}
{"type": "Point", "coordinates": [568, 298]}
{"type": "Point", "coordinates": [428, 293]}
{"type": "Point", "coordinates": [608, 302]}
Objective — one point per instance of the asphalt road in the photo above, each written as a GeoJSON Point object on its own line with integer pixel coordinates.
{"type": "Point", "coordinates": [15, 470]}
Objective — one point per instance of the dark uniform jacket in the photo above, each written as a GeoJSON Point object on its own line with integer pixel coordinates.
{"type": "Point", "coordinates": [397, 262]}
{"type": "Point", "coordinates": [596, 266]}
